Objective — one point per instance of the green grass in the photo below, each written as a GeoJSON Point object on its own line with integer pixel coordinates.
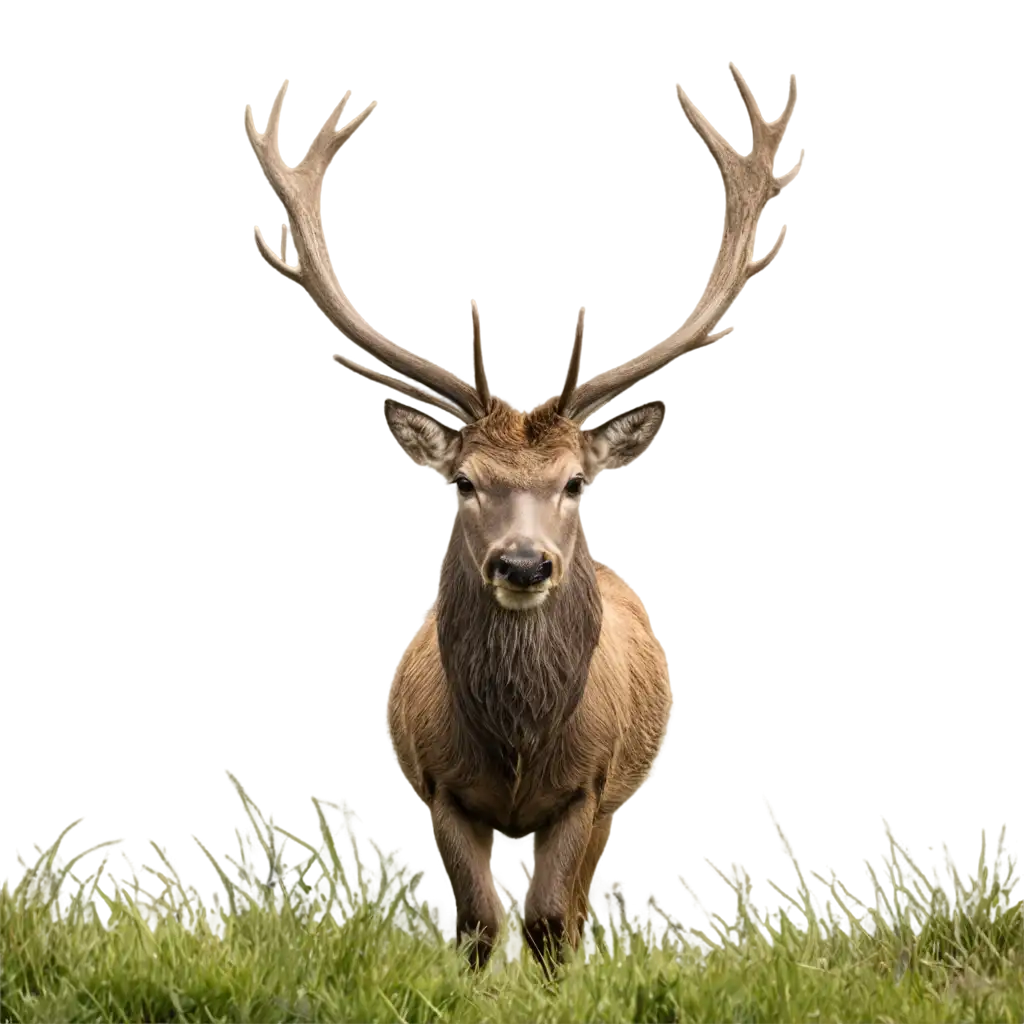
{"type": "Point", "coordinates": [317, 941]}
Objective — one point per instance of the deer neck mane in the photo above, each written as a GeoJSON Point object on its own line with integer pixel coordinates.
{"type": "Point", "coordinates": [515, 676]}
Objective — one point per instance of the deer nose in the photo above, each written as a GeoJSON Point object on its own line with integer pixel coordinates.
{"type": "Point", "coordinates": [521, 568]}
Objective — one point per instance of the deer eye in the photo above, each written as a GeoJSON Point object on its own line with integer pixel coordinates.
{"type": "Point", "coordinates": [464, 485]}
{"type": "Point", "coordinates": [574, 488]}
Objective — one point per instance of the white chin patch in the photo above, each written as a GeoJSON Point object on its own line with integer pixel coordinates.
{"type": "Point", "coordinates": [519, 600]}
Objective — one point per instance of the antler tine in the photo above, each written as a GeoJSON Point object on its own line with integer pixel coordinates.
{"type": "Point", "coordinates": [574, 367]}
{"type": "Point", "coordinates": [749, 185]}
{"type": "Point", "coordinates": [758, 265]}
{"type": "Point", "coordinates": [406, 389]}
{"type": "Point", "coordinates": [757, 122]}
{"type": "Point", "coordinates": [265, 143]}
{"type": "Point", "coordinates": [299, 190]}
{"type": "Point", "coordinates": [480, 376]}
{"type": "Point", "coordinates": [783, 119]}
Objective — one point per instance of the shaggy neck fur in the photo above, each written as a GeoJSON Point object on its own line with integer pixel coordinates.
{"type": "Point", "coordinates": [515, 676]}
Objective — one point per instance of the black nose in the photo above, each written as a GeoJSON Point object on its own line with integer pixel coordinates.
{"type": "Point", "coordinates": [521, 568]}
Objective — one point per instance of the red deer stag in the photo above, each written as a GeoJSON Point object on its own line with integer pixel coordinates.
{"type": "Point", "coordinates": [535, 696]}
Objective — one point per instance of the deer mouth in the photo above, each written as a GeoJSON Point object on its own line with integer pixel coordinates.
{"type": "Point", "coordinates": [519, 599]}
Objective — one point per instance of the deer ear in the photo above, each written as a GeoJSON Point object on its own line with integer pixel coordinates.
{"type": "Point", "coordinates": [619, 441]}
{"type": "Point", "coordinates": [426, 442]}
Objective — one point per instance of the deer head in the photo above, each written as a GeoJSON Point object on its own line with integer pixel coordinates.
{"type": "Point", "coordinates": [520, 476]}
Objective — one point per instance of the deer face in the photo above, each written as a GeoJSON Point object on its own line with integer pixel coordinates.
{"type": "Point", "coordinates": [519, 479]}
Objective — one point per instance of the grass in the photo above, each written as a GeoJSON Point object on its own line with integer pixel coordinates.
{"type": "Point", "coordinates": [316, 941]}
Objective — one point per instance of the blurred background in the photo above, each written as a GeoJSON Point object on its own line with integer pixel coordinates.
{"type": "Point", "coordinates": [208, 527]}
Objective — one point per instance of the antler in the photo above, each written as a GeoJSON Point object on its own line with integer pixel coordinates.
{"type": "Point", "coordinates": [574, 368]}
{"type": "Point", "coordinates": [299, 189]}
{"type": "Point", "coordinates": [749, 184]}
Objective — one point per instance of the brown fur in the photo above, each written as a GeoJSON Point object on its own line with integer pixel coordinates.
{"type": "Point", "coordinates": [541, 721]}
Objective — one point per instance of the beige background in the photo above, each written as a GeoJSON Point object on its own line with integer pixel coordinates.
{"type": "Point", "coordinates": [207, 552]}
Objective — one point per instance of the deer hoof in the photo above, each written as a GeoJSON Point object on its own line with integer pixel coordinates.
{"type": "Point", "coordinates": [479, 942]}
{"type": "Point", "coordinates": [546, 938]}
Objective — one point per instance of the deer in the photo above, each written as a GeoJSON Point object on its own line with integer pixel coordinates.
{"type": "Point", "coordinates": [535, 696]}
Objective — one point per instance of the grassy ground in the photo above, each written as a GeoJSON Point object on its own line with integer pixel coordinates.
{"type": "Point", "coordinates": [317, 942]}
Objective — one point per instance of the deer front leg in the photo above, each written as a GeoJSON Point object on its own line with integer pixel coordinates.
{"type": "Point", "coordinates": [465, 848]}
{"type": "Point", "coordinates": [581, 890]}
{"type": "Point", "coordinates": [551, 918]}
